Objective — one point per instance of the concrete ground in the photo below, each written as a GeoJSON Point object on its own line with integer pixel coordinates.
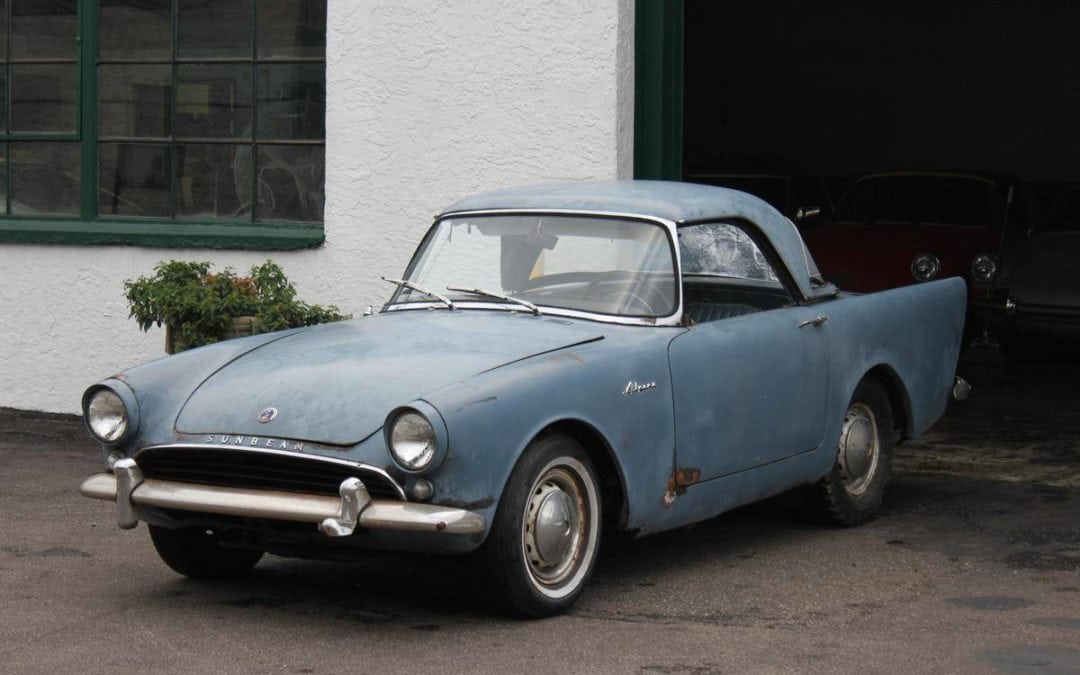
{"type": "Point", "coordinates": [973, 567]}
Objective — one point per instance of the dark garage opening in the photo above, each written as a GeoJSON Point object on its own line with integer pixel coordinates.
{"type": "Point", "coordinates": [820, 95]}
{"type": "Point", "coordinates": [808, 90]}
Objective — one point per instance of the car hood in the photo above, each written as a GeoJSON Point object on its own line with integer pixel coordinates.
{"type": "Point", "coordinates": [1048, 272]}
{"type": "Point", "coordinates": [868, 258]}
{"type": "Point", "coordinates": [336, 383]}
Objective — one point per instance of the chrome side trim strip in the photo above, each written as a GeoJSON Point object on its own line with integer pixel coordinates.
{"type": "Point", "coordinates": [291, 506]}
{"type": "Point", "coordinates": [359, 466]}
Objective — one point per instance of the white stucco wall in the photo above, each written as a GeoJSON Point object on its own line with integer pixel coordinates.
{"type": "Point", "coordinates": [426, 102]}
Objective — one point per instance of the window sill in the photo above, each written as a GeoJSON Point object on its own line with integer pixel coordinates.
{"type": "Point", "coordinates": [245, 236]}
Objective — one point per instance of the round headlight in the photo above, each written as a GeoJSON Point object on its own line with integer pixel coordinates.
{"type": "Point", "coordinates": [984, 267]}
{"type": "Point", "coordinates": [412, 440]}
{"type": "Point", "coordinates": [106, 416]}
{"type": "Point", "coordinates": [925, 266]}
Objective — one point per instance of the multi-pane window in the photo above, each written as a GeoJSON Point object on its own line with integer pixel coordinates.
{"type": "Point", "coordinates": [190, 110]}
{"type": "Point", "coordinates": [39, 115]}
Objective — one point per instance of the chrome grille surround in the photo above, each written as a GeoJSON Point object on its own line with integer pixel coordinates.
{"type": "Point", "coordinates": [261, 468]}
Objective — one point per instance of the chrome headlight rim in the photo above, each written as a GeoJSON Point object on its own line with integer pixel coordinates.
{"type": "Point", "coordinates": [130, 408]}
{"type": "Point", "coordinates": [925, 261]}
{"type": "Point", "coordinates": [984, 267]}
{"type": "Point", "coordinates": [438, 429]}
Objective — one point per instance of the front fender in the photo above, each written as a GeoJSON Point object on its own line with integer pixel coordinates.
{"type": "Point", "coordinates": [492, 419]}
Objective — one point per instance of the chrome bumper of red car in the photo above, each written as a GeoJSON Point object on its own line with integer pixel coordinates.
{"type": "Point", "coordinates": [335, 516]}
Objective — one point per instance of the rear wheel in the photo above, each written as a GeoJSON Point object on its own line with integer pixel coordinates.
{"type": "Point", "coordinates": [852, 493]}
{"type": "Point", "coordinates": [199, 554]}
{"type": "Point", "coordinates": [545, 536]}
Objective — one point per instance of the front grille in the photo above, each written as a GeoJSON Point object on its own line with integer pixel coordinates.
{"type": "Point", "coordinates": [252, 469]}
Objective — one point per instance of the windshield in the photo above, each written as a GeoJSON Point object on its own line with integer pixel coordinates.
{"type": "Point", "coordinates": [610, 266]}
{"type": "Point", "coordinates": [917, 200]}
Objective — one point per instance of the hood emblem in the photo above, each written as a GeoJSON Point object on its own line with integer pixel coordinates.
{"type": "Point", "coordinates": [267, 415]}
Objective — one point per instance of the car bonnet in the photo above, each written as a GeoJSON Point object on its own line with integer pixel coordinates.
{"type": "Point", "coordinates": [335, 384]}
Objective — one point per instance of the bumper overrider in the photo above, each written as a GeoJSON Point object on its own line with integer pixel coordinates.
{"type": "Point", "coordinates": [335, 516]}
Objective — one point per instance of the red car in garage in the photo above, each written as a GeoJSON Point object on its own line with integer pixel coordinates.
{"type": "Point", "coordinates": [895, 229]}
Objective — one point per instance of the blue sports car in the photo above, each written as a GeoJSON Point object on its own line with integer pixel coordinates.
{"type": "Point", "coordinates": [556, 360]}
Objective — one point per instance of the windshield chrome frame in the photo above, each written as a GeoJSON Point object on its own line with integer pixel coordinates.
{"type": "Point", "coordinates": [670, 227]}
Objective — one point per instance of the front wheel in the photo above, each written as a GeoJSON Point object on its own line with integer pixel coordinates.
{"type": "Point", "coordinates": [545, 536]}
{"type": "Point", "coordinates": [199, 554]}
{"type": "Point", "coordinates": [852, 493]}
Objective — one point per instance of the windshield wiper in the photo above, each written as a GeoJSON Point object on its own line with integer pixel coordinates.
{"type": "Point", "coordinates": [420, 289]}
{"type": "Point", "coordinates": [498, 296]}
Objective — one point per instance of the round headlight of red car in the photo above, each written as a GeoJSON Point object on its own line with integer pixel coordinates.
{"type": "Point", "coordinates": [984, 267]}
{"type": "Point", "coordinates": [412, 440]}
{"type": "Point", "coordinates": [107, 416]}
{"type": "Point", "coordinates": [925, 266]}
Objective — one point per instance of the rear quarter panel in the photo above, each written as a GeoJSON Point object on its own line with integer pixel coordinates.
{"type": "Point", "coordinates": [914, 332]}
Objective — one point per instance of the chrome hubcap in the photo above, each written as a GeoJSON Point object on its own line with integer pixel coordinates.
{"type": "Point", "coordinates": [859, 449]}
{"type": "Point", "coordinates": [554, 527]}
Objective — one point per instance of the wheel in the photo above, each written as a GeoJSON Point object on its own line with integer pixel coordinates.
{"type": "Point", "coordinates": [545, 535]}
{"type": "Point", "coordinates": [853, 491]}
{"type": "Point", "coordinates": [200, 555]}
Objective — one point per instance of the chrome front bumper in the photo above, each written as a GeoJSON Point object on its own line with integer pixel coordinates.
{"type": "Point", "coordinates": [335, 516]}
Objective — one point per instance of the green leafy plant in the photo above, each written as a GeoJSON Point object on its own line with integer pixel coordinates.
{"type": "Point", "coordinates": [200, 307]}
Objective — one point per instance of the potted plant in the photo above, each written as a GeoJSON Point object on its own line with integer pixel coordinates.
{"type": "Point", "coordinates": [198, 307]}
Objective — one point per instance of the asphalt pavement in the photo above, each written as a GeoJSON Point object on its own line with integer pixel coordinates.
{"type": "Point", "coordinates": [973, 567]}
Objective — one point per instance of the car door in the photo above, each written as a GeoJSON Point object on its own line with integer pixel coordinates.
{"type": "Point", "coordinates": [749, 382]}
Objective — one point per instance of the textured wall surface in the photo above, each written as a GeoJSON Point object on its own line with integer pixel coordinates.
{"type": "Point", "coordinates": [426, 102]}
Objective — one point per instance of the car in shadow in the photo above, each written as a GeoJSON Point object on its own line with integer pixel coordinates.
{"type": "Point", "coordinates": [1038, 292]}
{"type": "Point", "coordinates": [900, 228]}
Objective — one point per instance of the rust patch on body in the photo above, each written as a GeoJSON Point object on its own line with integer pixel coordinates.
{"type": "Point", "coordinates": [685, 477]}
{"type": "Point", "coordinates": [680, 479]}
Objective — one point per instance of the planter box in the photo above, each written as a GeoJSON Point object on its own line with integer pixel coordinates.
{"type": "Point", "coordinates": [241, 326]}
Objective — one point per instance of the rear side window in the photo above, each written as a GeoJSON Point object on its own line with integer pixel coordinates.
{"type": "Point", "coordinates": [723, 250]}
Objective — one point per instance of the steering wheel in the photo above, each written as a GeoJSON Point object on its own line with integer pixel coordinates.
{"type": "Point", "coordinates": [633, 297]}
{"type": "Point", "coordinates": [629, 296]}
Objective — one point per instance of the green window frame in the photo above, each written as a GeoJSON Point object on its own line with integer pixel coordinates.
{"type": "Point", "coordinates": [273, 155]}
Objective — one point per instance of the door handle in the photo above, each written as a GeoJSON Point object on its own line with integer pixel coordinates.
{"type": "Point", "coordinates": [815, 322]}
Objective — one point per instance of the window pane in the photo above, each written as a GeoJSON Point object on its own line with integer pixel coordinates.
{"type": "Point", "coordinates": [43, 97]}
{"type": "Point", "coordinates": [133, 179]}
{"type": "Point", "coordinates": [134, 101]}
{"type": "Point", "coordinates": [292, 101]}
{"type": "Point", "coordinates": [723, 250]}
{"type": "Point", "coordinates": [290, 183]}
{"type": "Point", "coordinates": [214, 28]}
{"type": "Point", "coordinates": [3, 178]}
{"type": "Point", "coordinates": [291, 28]}
{"type": "Point", "coordinates": [213, 181]}
{"type": "Point", "coordinates": [3, 30]}
{"type": "Point", "coordinates": [44, 178]}
{"type": "Point", "coordinates": [135, 29]}
{"type": "Point", "coordinates": [3, 98]}
{"type": "Point", "coordinates": [213, 101]}
{"type": "Point", "coordinates": [43, 29]}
